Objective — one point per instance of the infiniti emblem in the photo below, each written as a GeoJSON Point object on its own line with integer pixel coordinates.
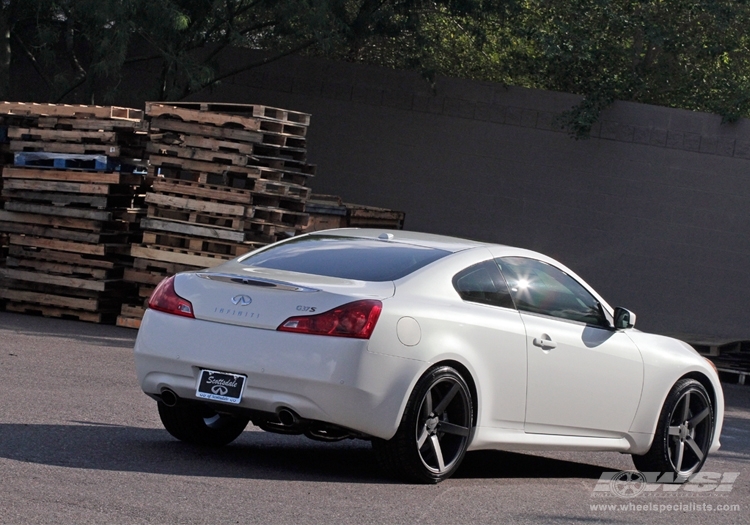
{"type": "Point", "coordinates": [241, 300]}
{"type": "Point", "coordinates": [219, 390]}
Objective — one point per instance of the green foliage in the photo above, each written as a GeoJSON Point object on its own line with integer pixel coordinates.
{"type": "Point", "coordinates": [678, 53]}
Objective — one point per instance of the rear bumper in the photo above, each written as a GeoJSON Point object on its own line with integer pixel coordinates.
{"type": "Point", "coordinates": [330, 379]}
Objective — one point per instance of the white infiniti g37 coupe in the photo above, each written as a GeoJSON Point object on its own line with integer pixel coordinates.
{"type": "Point", "coordinates": [426, 345]}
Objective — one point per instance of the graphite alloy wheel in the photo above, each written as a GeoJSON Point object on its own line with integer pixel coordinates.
{"type": "Point", "coordinates": [683, 433]}
{"type": "Point", "coordinates": [200, 425]}
{"type": "Point", "coordinates": [431, 441]}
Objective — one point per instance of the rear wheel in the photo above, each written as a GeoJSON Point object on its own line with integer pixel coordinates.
{"type": "Point", "coordinates": [431, 441]}
{"type": "Point", "coordinates": [683, 433]}
{"type": "Point", "coordinates": [200, 425]}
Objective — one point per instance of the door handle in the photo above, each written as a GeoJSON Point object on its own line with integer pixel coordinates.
{"type": "Point", "coordinates": [544, 342]}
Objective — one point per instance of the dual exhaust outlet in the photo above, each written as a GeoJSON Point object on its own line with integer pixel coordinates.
{"type": "Point", "coordinates": [287, 417]}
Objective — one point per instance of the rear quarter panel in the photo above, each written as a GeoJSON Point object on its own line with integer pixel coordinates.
{"type": "Point", "coordinates": [490, 342]}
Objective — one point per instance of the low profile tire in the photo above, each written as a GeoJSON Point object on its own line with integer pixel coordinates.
{"type": "Point", "coordinates": [432, 438]}
{"type": "Point", "coordinates": [200, 425]}
{"type": "Point", "coordinates": [683, 433]}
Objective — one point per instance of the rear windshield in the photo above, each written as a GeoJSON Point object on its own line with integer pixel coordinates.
{"type": "Point", "coordinates": [346, 257]}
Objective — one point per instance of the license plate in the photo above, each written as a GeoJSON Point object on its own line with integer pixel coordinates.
{"type": "Point", "coordinates": [220, 386]}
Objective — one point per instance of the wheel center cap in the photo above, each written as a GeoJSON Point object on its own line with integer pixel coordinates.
{"type": "Point", "coordinates": [683, 431]}
{"type": "Point", "coordinates": [432, 423]}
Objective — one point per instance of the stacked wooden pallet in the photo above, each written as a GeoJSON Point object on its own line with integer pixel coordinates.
{"type": "Point", "coordinates": [5, 158]}
{"type": "Point", "coordinates": [329, 211]}
{"type": "Point", "coordinates": [68, 208]}
{"type": "Point", "coordinates": [227, 178]}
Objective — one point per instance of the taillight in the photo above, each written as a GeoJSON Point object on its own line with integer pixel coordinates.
{"type": "Point", "coordinates": [355, 319]}
{"type": "Point", "coordinates": [165, 299]}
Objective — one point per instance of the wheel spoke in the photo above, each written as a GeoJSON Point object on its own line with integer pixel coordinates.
{"type": "Point", "coordinates": [674, 431]}
{"type": "Point", "coordinates": [686, 408]}
{"type": "Point", "coordinates": [680, 453]}
{"type": "Point", "coordinates": [438, 452]}
{"type": "Point", "coordinates": [428, 403]}
{"type": "Point", "coordinates": [447, 399]}
{"type": "Point", "coordinates": [700, 416]}
{"type": "Point", "coordinates": [694, 447]}
{"type": "Point", "coordinates": [450, 428]}
{"type": "Point", "coordinates": [422, 437]}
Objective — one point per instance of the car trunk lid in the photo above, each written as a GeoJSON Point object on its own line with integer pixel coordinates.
{"type": "Point", "coordinates": [264, 298]}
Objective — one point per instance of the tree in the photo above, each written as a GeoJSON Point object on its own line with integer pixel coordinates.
{"type": "Point", "coordinates": [79, 47]}
{"type": "Point", "coordinates": [692, 54]}
{"type": "Point", "coordinates": [687, 54]}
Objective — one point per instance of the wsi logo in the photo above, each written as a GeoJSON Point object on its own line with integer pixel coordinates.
{"type": "Point", "coordinates": [242, 300]}
{"type": "Point", "coordinates": [632, 483]}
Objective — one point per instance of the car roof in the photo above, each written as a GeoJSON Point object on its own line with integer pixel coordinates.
{"type": "Point", "coordinates": [427, 240]}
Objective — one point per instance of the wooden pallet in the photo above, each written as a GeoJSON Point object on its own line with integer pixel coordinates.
{"type": "Point", "coordinates": [135, 275]}
{"type": "Point", "coordinates": [202, 130]}
{"type": "Point", "coordinates": [231, 222]}
{"type": "Point", "coordinates": [128, 322]}
{"type": "Point", "coordinates": [100, 202]}
{"type": "Point", "coordinates": [163, 267]}
{"type": "Point", "coordinates": [56, 256]}
{"type": "Point", "coordinates": [190, 205]}
{"type": "Point", "coordinates": [10, 172]}
{"type": "Point", "coordinates": [282, 175]}
{"type": "Point", "coordinates": [75, 213]}
{"type": "Point", "coordinates": [57, 135]}
{"type": "Point", "coordinates": [208, 192]}
{"type": "Point", "coordinates": [281, 216]}
{"type": "Point", "coordinates": [29, 297]}
{"type": "Point", "coordinates": [177, 153]}
{"type": "Point", "coordinates": [204, 143]}
{"type": "Point", "coordinates": [68, 246]}
{"type": "Point", "coordinates": [83, 161]}
{"type": "Point", "coordinates": [66, 187]}
{"type": "Point", "coordinates": [177, 256]}
{"type": "Point", "coordinates": [198, 245]}
{"type": "Point", "coordinates": [53, 221]}
{"type": "Point", "coordinates": [202, 166]}
{"type": "Point", "coordinates": [298, 155]}
{"type": "Point", "coordinates": [269, 160]}
{"type": "Point", "coordinates": [64, 147]}
{"type": "Point", "coordinates": [65, 234]}
{"type": "Point", "coordinates": [250, 110]}
{"type": "Point", "coordinates": [97, 285]}
{"type": "Point", "coordinates": [287, 128]}
{"type": "Point", "coordinates": [202, 117]}
{"type": "Point", "coordinates": [131, 315]}
{"type": "Point", "coordinates": [93, 124]}
{"type": "Point", "coordinates": [287, 203]}
{"type": "Point", "coordinates": [188, 229]}
{"type": "Point", "coordinates": [66, 110]}
{"type": "Point", "coordinates": [64, 269]}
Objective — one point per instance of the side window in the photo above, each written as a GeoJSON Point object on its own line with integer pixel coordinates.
{"type": "Point", "coordinates": [539, 288]}
{"type": "Point", "coordinates": [483, 283]}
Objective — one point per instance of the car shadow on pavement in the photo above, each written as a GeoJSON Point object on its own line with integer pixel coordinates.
{"type": "Point", "coordinates": [255, 455]}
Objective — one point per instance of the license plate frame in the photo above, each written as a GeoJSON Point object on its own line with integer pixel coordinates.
{"type": "Point", "coordinates": [225, 387]}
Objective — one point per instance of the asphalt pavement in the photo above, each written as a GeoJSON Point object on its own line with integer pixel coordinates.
{"type": "Point", "coordinates": [80, 443]}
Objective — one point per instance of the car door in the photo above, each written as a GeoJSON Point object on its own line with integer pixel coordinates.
{"type": "Point", "coordinates": [584, 378]}
{"type": "Point", "coordinates": [493, 329]}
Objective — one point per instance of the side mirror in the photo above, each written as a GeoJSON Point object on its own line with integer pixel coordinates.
{"type": "Point", "coordinates": [624, 318]}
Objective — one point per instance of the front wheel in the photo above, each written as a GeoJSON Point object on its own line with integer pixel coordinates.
{"type": "Point", "coordinates": [433, 436]}
{"type": "Point", "coordinates": [200, 425]}
{"type": "Point", "coordinates": [683, 433]}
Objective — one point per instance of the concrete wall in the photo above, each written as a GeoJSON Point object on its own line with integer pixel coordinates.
{"type": "Point", "coordinates": [652, 210]}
